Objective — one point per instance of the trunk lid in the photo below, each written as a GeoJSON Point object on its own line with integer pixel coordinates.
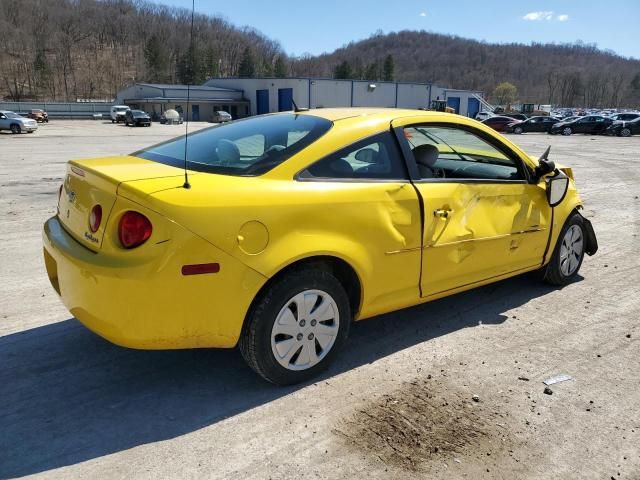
{"type": "Point", "coordinates": [95, 182]}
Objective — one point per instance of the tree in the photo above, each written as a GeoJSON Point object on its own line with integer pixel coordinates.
{"type": "Point", "coordinates": [156, 59]}
{"type": "Point", "coordinates": [247, 67]}
{"type": "Point", "coordinates": [190, 66]}
{"type": "Point", "coordinates": [372, 72]}
{"type": "Point", "coordinates": [388, 69]}
{"type": "Point", "coordinates": [342, 71]}
{"type": "Point", "coordinates": [505, 93]}
{"type": "Point", "coordinates": [280, 68]}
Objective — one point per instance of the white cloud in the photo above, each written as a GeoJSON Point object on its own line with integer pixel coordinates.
{"type": "Point", "coordinates": [535, 16]}
{"type": "Point", "coordinates": [562, 18]}
{"type": "Point", "coordinates": [423, 14]}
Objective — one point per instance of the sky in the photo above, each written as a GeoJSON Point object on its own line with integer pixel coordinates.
{"type": "Point", "coordinates": [314, 27]}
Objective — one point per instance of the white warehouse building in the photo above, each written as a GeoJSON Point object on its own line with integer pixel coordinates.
{"type": "Point", "coordinates": [243, 97]}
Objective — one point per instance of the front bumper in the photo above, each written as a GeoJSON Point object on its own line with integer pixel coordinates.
{"type": "Point", "coordinates": [146, 302]}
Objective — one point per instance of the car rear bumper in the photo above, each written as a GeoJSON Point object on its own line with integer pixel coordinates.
{"type": "Point", "coordinates": [148, 303]}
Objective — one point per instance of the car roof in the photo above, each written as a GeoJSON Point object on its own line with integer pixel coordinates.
{"type": "Point", "coordinates": [336, 114]}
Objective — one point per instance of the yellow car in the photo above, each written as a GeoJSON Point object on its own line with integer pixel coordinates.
{"type": "Point", "coordinates": [284, 228]}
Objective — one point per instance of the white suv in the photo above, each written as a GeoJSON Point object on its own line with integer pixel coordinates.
{"type": "Point", "coordinates": [17, 124]}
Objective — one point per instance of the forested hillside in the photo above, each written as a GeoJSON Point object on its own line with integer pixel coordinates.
{"type": "Point", "coordinates": [569, 75]}
{"type": "Point", "coordinates": [89, 49]}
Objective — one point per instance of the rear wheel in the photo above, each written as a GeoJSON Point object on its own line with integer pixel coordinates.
{"type": "Point", "coordinates": [517, 130]}
{"type": "Point", "coordinates": [569, 252]}
{"type": "Point", "coordinates": [625, 132]}
{"type": "Point", "coordinates": [15, 128]}
{"type": "Point", "coordinates": [296, 327]}
{"type": "Point", "coordinates": [567, 131]}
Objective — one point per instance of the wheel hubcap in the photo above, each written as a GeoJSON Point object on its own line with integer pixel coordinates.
{"type": "Point", "coordinates": [571, 250]}
{"type": "Point", "coordinates": [305, 330]}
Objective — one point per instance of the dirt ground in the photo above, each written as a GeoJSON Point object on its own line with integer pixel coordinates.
{"type": "Point", "coordinates": [398, 403]}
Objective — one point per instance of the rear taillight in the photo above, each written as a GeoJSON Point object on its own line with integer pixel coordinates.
{"type": "Point", "coordinates": [134, 229]}
{"type": "Point", "coordinates": [95, 218]}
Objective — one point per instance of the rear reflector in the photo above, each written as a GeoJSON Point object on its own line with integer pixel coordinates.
{"type": "Point", "coordinates": [200, 268]}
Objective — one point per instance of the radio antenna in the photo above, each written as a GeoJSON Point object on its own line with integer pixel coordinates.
{"type": "Point", "coordinates": [186, 184]}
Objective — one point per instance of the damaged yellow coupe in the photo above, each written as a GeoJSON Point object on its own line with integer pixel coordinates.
{"type": "Point", "coordinates": [274, 233]}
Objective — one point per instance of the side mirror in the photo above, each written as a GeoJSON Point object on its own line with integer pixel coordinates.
{"type": "Point", "coordinates": [557, 187]}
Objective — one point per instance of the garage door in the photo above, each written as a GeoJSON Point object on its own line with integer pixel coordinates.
{"type": "Point", "coordinates": [454, 102]}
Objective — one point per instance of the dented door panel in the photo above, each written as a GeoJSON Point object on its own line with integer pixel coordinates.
{"type": "Point", "coordinates": [489, 230]}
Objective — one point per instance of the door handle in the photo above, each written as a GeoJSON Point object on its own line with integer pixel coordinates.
{"type": "Point", "coordinates": [442, 212]}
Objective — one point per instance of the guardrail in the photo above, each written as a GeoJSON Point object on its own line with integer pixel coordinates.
{"type": "Point", "coordinates": [72, 110]}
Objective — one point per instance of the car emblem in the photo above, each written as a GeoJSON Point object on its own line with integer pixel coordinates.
{"type": "Point", "coordinates": [71, 195]}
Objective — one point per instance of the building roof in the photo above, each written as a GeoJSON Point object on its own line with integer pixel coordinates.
{"type": "Point", "coordinates": [190, 87]}
{"type": "Point", "coordinates": [196, 100]}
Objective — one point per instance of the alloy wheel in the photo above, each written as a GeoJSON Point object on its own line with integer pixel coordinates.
{"type": "Point", "coordinates": [571, 250]}
{"type": "Point", "coordinates": [566, 131]}
{"type": "Point", "coordinates": [305, 330]}
{"type": "Point", "coordinates": [625, 132]}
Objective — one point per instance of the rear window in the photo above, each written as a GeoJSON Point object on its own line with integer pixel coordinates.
{"type": "Point", "coordinates": [246, 147]}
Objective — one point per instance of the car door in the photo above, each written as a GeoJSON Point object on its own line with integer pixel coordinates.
{"type": "Point", "coordinates": [482, 217]}
{"type": "Point", "coordinates": [600, 124]}
{"type": "Point", "coordinates": [535, 125]}
{"type": "Point", "coordinates": [583, 125]}
{"type": "Point", "coordinates": [4, 123]}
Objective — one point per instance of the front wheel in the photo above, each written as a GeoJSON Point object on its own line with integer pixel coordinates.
{"type": "Point", "coordinates": [15, 128]}
{"type": "Point", "coordinates": [567, 131]}
{"type": "Point", "coordinates": [567, 257]}
{"type": "Point", "coordinates": [296, 327]}
{"type": "Point", "coordinates": [517, 130]}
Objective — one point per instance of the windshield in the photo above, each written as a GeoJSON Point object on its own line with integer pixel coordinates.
{"type": "Point", "coordinates": [247, 147]}
{"type": "Point", "coordinates": [138, 113]}
{"type": "Point", "coordinates": [12, 115]}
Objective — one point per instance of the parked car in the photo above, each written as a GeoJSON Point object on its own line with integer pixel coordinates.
{"type": "Point", "coordinates": [483, 115]}
{"type": "Point", "coordinates": [533, 124]}
{"type": "Point", "coordinates": [516, 116]}
{"type": "Point", "coordinates": [624, 116]}
{"type": "Point", "coordinates": [16, 123]}
{"type": "Point", "coordinates": [38, 115]}
{"type": "Point", "coordinates": [137, 118]}
{"type": "Point", "coordinates": [499, 123]}
{"type": "Point", "coordinates": [117, 113]}
{"type": "Point", "coordinates": [293, 225]}
{"type": "Point", "coordinates": [221, 116]}
{"type": "Point", "coordinates": [624, 129]}
{"type": "Point", "coordinates": [591, 124]}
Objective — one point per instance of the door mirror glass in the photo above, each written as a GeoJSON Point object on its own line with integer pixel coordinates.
{"type": "Point", "coordinates": [557, 187]}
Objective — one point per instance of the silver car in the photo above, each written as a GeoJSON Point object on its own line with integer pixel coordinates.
{"type": "Point", "coordinates": [17, 124]}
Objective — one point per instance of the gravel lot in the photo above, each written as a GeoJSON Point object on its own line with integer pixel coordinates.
{"type": "Point", "coordinates": [398, 402]}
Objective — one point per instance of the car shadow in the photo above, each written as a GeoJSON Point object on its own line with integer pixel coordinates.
{"type": "Point", "coordinates": [69, 396]}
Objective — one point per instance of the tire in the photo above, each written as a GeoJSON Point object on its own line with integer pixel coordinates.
{"type": "Point", "coordinates": [31, 131]}
{"type": "Point", "coordinates": [567, 131]}
{"type": "Point", "coordinates": [568, 253]}
{"type": "Point", "coordinates": [625, 132]}
{"type": "Point", "coordinates": [113, 121]}
{"type": "Point", "coordinates": [517, 130]}
{"type": "Point", "coordinates": [15, 128]}
{"type": "Point", "coordinates": [277, 335]}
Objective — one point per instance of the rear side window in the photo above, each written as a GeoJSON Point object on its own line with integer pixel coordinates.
{"type": "Point", "coordinates": [376, 157]}
{"type": "Point", "coordinates": [246, 147]}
